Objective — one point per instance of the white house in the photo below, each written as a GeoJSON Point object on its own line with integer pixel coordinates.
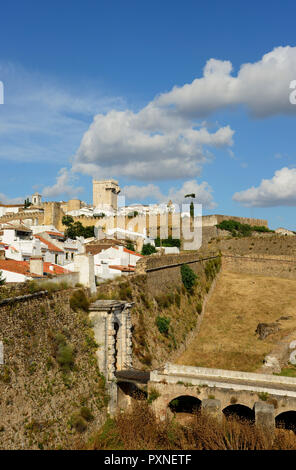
{"type": "Point", "coordinates": [115, 261]}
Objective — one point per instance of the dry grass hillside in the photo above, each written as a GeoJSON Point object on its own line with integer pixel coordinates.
{"type": "Point", "coordinates": [227, 337]}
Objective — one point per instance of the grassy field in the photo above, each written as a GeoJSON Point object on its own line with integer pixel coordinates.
{"type": "Point", "coordinates": [227, 337]}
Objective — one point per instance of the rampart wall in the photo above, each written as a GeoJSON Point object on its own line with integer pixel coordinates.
{"type": "Point", "coordinates": [163, 272]}
{"type": "Point", "coordinates": [274, 266]}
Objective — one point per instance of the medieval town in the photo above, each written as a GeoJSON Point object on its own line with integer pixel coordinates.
{"type": "Point", "coordinates": [147, 229]}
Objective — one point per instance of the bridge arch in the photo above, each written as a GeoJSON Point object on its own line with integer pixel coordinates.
{"type": "Point", "coordinates": [185, 404]}
{"type": "Point", "coordinates": [286, 420]}
{"type": "Point", "coordinates": [239, 411]}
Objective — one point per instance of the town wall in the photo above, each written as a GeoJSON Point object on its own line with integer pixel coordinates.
{"type": "Point", "coordinates": [163, 272]}
{"type": "Point", "coordinates": [273, 266]}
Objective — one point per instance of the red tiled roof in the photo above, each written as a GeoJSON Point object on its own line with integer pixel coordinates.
{"type": "Point", "coordinates": [57, 234]}
{"type": "Point", "coordinates": [23, 267]}
{"type": "Point", "coordinates": [129, 251]}
{"type": "Point", "coordinates": [50, 245]}
{"type": "Point", "coordinates": [56, 269]}
{"type": "Point", "coordinates": [11, 205]}
{"type": "Point", "coordinates": [20, 267]}
{"type": "Point", "coordinates": [122, 268]}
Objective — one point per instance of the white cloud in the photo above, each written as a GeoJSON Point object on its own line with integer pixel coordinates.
{"type": "Point", "coordinates": [151, 144]}
{"type": "Point", "coordinates": [164, 141]}
{"type": "Point", "coordinates": [278, 191]}
{"type": "Point", "coordinates": [263, 87]}
{"type": "Point", "coordinates": [141, 193]}
{"type": "Point", "coordinates": [63, 185]}
{"type": "Point", "coordinates": [203, 192]}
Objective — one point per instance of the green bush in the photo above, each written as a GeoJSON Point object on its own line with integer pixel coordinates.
{"type": "Point", "coordinates": [86, 413]}
{"type": "Point", "coordinates": [241, 230]}
{"type": "Point", "coordinates": [153, 395]}
{"type": "Point", "coordinates": [163, 324]}
{"type": "Point", "coordinates": [79, 301]}
{"type": "Point", "coordinates": [168, 242]}
{"type": "Point", "coordinates": [65, 356]}
{"type": "Point", "coordinates": [263, 396]}
{"type": "Point", "coordinates": [188, 277]}
{"type": "Point", "coordinates": [148, 249]}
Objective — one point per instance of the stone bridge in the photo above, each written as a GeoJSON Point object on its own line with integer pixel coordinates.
{"type": "Point", "coordinates": [266, 399]}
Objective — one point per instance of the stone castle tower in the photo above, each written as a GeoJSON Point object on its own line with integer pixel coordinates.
{"type": "Point", "coordinates": [105, 194]}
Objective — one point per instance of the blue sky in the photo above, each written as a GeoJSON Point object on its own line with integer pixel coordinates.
{"type": "Point", "coordinates": [155, 94]}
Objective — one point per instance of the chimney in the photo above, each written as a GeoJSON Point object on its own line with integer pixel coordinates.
{"type": "Point", "coordinates": [36, 265]}
{"type": "Point", "coordinates": [2, 254]}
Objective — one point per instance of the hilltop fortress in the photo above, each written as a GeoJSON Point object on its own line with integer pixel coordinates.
{"type": "Point", "coordinates": [152, 220]}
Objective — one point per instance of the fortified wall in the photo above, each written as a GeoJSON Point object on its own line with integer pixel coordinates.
{"type": "Point", "coordinates": [211, 220]}
{"type": "Point", "coordinates": [163, 272]}
{"type": "Point", "coordinates": [264, 265]}
{"type": "Point", "coordinates": [41, 393]}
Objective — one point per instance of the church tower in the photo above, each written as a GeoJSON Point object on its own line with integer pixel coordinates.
{"type": "Point", "coordinates": [36, 199]}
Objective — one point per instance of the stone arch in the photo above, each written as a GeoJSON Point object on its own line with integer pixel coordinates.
{"type": "Point", "coordinates": [184, 404]}
{"type": "Point", "coordinates": [239, 411]}
{"type": "Point", "coordinates": [286, 420]}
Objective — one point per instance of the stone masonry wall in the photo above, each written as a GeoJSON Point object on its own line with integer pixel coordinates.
{"type": "Point", "coordinates": [163, 272]}
{"type": "Point", "coordinates": [274, 266]}
{"type": "Point", "coordinates": [40, 399]}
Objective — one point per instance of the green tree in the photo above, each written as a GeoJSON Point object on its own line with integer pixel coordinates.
{"type": "Point", "coordinates": [27, 203]}
{"type": "Point", "coordinates": [191, 209]}
{"type": "Point", "coordinates": [76, 229]}
{"type": "Point", "coordinates": [67, 220]}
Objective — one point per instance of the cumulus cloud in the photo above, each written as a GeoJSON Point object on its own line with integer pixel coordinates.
{"type": "Point", "coordinates": [141, 193]}
{"type": "Point", "coordinates": [151, 144]}
{"type": "Point", "coordinates": [262, 86]}
{"type": "Point", "coordinates": [203, 192]}
{"type": "Point", "coordinates": [277, 191]}
{"type": "Point", "coordinates": [164, 141]}
{"type": "Point", "coordinates": [63, 185]}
